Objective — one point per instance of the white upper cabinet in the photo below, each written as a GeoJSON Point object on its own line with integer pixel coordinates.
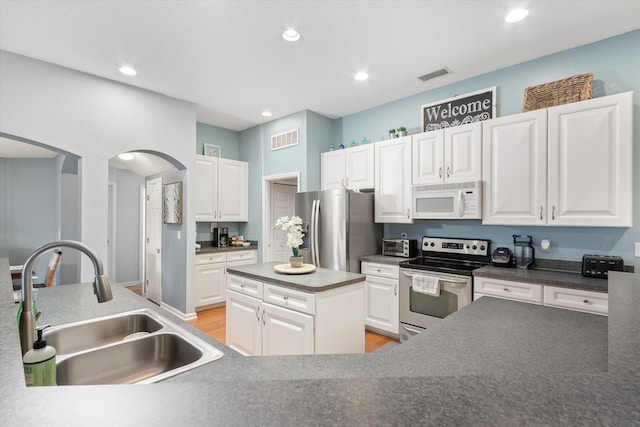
{"type": "Point", "coordinates": [569, 165]}
{"type": "Point", "coordinates": [332, 171]}
{"type": "Point", "coordinates": [221, 189]}
{"type": "Point", "coordinates": [448, 155]}
{"type": "Point", "coordinates": [515, 169]}
{"type": "Point", "coordinates": [393, 180]}
{"type": "Point", "coordinates": [206, 169]}
{"type": "Point", "coordinates": [233, 190]}
{"type": "Point", "coordinates": [351, 168]}
{"type": "Point", "coordinates": [591, 162]}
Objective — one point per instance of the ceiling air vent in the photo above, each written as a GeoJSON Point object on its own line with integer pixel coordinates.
{"type": "Point", "coordinates": [284, 139]}
{"type": "Point", "coordinates": [434, 74]}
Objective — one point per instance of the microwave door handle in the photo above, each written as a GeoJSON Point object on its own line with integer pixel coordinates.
{"type": "Point", "coordinates": [460, 204]}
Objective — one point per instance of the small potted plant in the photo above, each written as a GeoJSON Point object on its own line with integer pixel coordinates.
{"type": "Point", "coordinates": [294, 237]}
{"type": "Point", "coordinates": [402, 131]}
{"type": "Point", "coordinates": [392, 133]}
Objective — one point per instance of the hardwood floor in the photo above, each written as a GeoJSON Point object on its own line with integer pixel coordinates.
{"type": "Point", "coordinates": [213, 323]}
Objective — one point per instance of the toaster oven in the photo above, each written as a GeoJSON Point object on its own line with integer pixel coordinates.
{"type": "Point", "coordinates": [407, 248]}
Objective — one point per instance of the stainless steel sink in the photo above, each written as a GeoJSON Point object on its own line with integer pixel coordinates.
{"type": "Point", "coordinates": [135, 347]}
{"type": "Point", "coordinates": [80, 336]}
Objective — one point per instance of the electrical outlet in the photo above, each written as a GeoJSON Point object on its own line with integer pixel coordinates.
{"type": "Point", "coordinates": [404, 235]}
{"type": "Point", "coordinates": [545, 244]}
{"type": "Point", "coordinates": [637, 249]}
{"type": "Point", "coordinates": [213, 225]}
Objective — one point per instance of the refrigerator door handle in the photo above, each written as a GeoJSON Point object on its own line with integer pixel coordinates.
{"type": "Point", "coordinates": [315, 234]}
{"type": "Point", "coordinates": [312, 237]}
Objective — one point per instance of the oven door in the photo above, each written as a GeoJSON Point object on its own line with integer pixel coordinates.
{"type": "Point", "coordinates": [421, 310]}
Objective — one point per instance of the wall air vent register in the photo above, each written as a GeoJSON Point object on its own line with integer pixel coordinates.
{"type": "Point", "coordinates": [284, 139]}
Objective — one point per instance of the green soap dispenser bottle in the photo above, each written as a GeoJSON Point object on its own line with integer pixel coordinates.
{"type": "Point", "coordinates": [40, 363]}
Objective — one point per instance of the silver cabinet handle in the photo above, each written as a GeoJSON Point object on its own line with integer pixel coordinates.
{"type": "Point", "coordinates": [553, 213]}
{"type": "Point", "coordinates": [586, 301]}
{"type": "Point", "coordinates": [263, 322]}
{"type": "Point", "coordinates": [440, 172]}
{"type": "Point", "coordinates": [258, 313]}
{"type": "Point", "coordinates": [448, 171]}
{"type": "Point", "coordinates": [347, 181]}
{"type": "Point", "coordinates": [408, 213]}
{"type": "Point", "coordinates": [505, 289]}
{"type": "Point", "coordinates": [395, 290]}
{"type": "Point", "coordinates": [540, 213]}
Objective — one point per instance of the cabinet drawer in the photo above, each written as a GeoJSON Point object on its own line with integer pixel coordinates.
{"type": "Point", "coordinates": [245, 286]}
{"type": "Point", "coordinates": [290, 298]}
{"type": "Point", "coordinates": [520, 291]}
{"type": "Point", "coordinates": [577, 299]}
{"type": "Point", "coordinates": [211, 258]}
{"type": "Point", "coordinates": [241, 255]}
{"type": "Point", "coordinates": [380, 270]}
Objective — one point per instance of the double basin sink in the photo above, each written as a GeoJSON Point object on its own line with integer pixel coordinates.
{"type": "Point", "coordinates": [136, 347]}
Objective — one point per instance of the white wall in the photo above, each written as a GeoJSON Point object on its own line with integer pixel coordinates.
{"type": "Point", "coordinates": [96, 119]}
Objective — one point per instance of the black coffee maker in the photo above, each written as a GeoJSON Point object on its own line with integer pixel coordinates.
{"type": "Point", "coordinates": [221, 237]}
{"type": "Point", "coordinates": [523, 251]}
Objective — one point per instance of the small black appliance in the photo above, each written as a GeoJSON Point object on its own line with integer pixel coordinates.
{"type": "Point", "coordinates": [502, 257]}
{"type": "Point", "coordinates": [221, 237]}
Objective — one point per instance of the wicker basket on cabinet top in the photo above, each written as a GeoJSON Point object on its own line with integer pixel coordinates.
{"type": "Point", "coordinates": [563, 91]}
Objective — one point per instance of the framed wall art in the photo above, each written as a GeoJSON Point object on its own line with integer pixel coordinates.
{"type": "Point", "coordinates": [172, 206]}
{"type": "Point", "coordinates": [211, 150]}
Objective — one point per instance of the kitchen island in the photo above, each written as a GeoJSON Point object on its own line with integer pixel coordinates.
{"type": "Point", "coordinates": [274, 313]}
{"type": "Point", "coordinates": [495, 362]}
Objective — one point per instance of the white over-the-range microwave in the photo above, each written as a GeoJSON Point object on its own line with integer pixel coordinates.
{"type": "Point", "coordinates": [447, 201]}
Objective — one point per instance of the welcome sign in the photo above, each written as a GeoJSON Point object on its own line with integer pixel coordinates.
{"type": "Point", "coordinates": [459, 110]}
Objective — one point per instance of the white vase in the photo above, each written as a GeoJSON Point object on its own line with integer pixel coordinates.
{"type": "Point", "coordinates": [295, 261]}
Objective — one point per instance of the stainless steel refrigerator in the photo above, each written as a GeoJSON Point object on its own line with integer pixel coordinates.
{"type": "Point", "coordinates": [339, 228]}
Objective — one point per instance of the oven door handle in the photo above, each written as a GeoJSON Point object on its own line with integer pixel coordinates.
{"type": "Point", "coordinates": [444, 279]}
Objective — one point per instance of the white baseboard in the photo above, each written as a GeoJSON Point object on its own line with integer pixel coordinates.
{"type": "Point", "coordinates": [178, 313]}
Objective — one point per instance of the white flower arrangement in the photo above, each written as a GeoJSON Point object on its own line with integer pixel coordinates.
{"type": "Point", "coordinates": [294, 227]}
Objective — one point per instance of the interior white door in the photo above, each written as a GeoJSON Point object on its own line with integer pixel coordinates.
{"type": "Point", "coordinates": [283, 199]}
{"type": "Point", "coordinates": [153, 247]}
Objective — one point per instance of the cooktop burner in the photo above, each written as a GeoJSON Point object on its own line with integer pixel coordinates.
{"type": "Point", "coordinates": [451, 255]}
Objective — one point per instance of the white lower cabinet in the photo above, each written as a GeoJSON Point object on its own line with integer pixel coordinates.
{"type": "Point", "coordinates": [211, 274]}
{"type": "Point", "coordinates": [577, 299]}
{"type": "Point", "coordinates": [381, 297]}
{"type": "Point", "coordinates": [520, 291]}
{"type": "Point", "coordinates": [210, 279]}
{"type": "Point", "coordinates": [266, 319]}
{"type": "Point", "coordinates": [286, 331]}
{"type": "Point", "coordinates": [553, 296]}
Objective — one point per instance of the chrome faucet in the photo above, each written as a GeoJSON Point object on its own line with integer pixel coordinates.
{"type": "Point", "coordinates": [27, 322]}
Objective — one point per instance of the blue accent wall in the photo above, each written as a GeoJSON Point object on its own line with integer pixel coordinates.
{"type": "Point", "coordinates": [615, 64]}
{"type": "Point", "coordinates": [227, 140]}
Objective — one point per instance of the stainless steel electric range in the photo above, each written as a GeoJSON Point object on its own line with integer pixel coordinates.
{"type": "Point", "coordinates": [439, 282]}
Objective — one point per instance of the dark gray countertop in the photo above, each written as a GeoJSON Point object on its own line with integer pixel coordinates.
{"type": "Point", "coordinates": [495, 362]}
{"type": "Point", "coordinates": [206, 248]}
{"type": "Point", "coordinates": [319, 280]}
{"type": "Point", "coordinates": [563, 279]}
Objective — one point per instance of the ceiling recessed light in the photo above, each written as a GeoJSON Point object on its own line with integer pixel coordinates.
{"type": "Point", "coordinates": [291, 35]}
{"type": "Point", "coordinates": [361, 76]}
{"type": "Point", "coordinates": [516, 15]}
{"type": "Point", "coordinates": [126, 156]}
{"type": "Point", "coordinates": [127, 71]}
{"type": "Point", "coordinates": [266, 114]}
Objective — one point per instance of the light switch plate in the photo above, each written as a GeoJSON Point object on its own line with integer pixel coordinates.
{"type": "Point", "coordinates": [637, 249]}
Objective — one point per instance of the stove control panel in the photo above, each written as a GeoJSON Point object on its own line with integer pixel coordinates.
{"type": "Point", "coordinates": [455, 246]}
